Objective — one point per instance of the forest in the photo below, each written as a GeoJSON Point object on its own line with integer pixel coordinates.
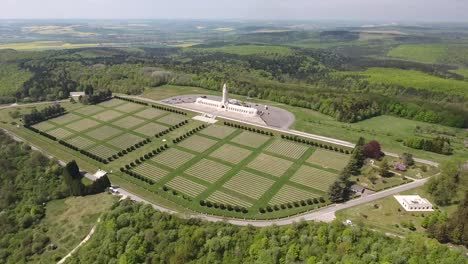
{"type": "Point", "coordinates": [135, 233]}
{"type": "Point", "coordinates": [28, 180]}
{"type": "Point", "coordinates": [309, 78]}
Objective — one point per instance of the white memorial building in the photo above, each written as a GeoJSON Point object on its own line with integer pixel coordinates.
{"type": "Point", "coordinates": [224, 105]}
{"type": "Point", "coordinates": [414, 203]}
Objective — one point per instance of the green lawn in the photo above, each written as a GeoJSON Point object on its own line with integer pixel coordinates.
{"type": "Point", "coordinates": [414, 79]}
{"type": "Point", "coordinates": [69, 220]}
{"type": "Point", "coordinates": [387, 215]}
{"type": "Point", "coordinates": [248, 50]}
{"type": "Point", "coordinates": [427, 53]}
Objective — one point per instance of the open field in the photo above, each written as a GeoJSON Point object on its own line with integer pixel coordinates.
{"type": "Point", "coordinates": [125, 141]}
{"type": "Point", "coordinates": [107, 115]}
{"type": "Point", "coordinates": [128, 122]}
{"type": "Point", "coordinates": [103, 132]}
{"type": "Point", "coordinates": [44, 126]}
{"type": "Point", "coordinates": [429, 53]}
{"type": "Point", "coordinates": [249, 50]}
{"type": "Point", "coordinates": [218, 131]}
{"type": "Point", "coordinates": [150, 129]}
{"type": "Point", "coordinates": [60, 133]}
{"type": "Point", "coordinates": [45, 45]}
{"type": "Point", "coordinates": [81, 142]}
{"type": "Point", "coordinates": [82, 124]}
{"type": "Point", "coordinates": [150, 113]}
{"type": "Point", "coordinates": [61, 120]}
{"type": "Point", "coordinates": [69, 220]}
{"type": "Point", "coordinates": [415, 79]}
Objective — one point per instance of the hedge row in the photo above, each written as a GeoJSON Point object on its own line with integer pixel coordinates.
{"type": "Point", "coordinates": [138, 176]}
{"type": "Point", "coordinates": [169, 109]}
{"type": "Point", "coordinates": [41, 133]}
{"type": "Point", "coordinates": [131, 100]}
{"type": "Point", "coordinates": [164, 132]}
{"type": "Point", "coordinates": [224, 206]}
{"type": "Point", "coordinates": [255, 130]}
{"type": "Point", "coordinates": [144, 157]}
{"type": "Point", "coordinates": [188, 134]}
{"type": "Point", "coordinates": [313, 143]}
{"type": "Point", "coordinates": [310, 201]}
{"type": "Point", "coordinates": [175, 193]}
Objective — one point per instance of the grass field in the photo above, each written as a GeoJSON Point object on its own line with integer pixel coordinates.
{"type": "Point", "coordinates": [287, 149]}
{"type": "Point", "coordinates": [69, 220]}
{"type": "Point", "coordinates": [151, 172]}
{"type": "Point", "coordinates": [250, 139]}
{"type": "Point", "coordinates": [314, 178]}
{"type": "Point", "coordinates": [289, 193]}
{"type": "Point", "coordinates": [427, 53]}
{"type": "Point", "coordinates": [185, 186]}
{"type": "Point", "coordinates": [329, 159]}
{"type": "Point", "coordinates": [271, 165]}
{"type": "Point", "coordinates": [197, 143]}
{"type": "Point", "coordinates": [242, 183]}
{"type": "Point", "coordinates": [231, 153]}
{"type": "Point", "coordinates": [414, 79]}
{"type": "Point", "coordinates": [150, 129]}
{"type": "Point", "coordinates": [173, 158]}
{"type": "Point", "coordinates": [221, 197]}
{"type": "Point", "coordinates": [218, 131]}
{"type": "Point", "coordinates": [249, 50]}
{"type": "Point", "coordinates": [208, 170]}
{"type": "Point", "coordinates": [104, 132]}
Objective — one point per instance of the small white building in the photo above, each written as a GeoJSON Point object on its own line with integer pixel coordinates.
{"type": "Point", "coordinates": [225, 105]}
{"type": "Point", "coordinates": [76, 95]}
{"type": "Point", "coordinates": [414, 203]}
{"type": "Point", "coordinates": [100, 173]}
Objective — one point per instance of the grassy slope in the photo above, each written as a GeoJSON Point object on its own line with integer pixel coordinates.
{"type": "Point", "coordinates": [426, 53]}
{"type": "Point", "coordinates": [69, 220]}
{"type": "Point", "coordinates": [415, 79]}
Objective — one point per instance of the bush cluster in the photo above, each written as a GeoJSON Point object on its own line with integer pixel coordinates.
{"type": "Point", "coordinates": [41, 133]}
{"type": "Point", "coordinates": [172, 128]}
{"type": "Point", "coordinates": [223, 206]}
{"type": "Point", "coordinates": [295, 204]}
{"type": "Point", "coordinates": [313, 143]}
{"type": "Point", "coordinates": [251, 129]}
{"type": "Point", "coordinates": [128, 167]}
{"type": "Point", "coordinates": [188, 134]}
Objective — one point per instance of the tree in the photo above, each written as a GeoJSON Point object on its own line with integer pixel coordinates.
{"type": "Point", "coordinates": [384, 170]}
{"type": "Point", "coordinates": [372, 150]}
{"type": "Point", "coordinates": [338, 191]}
{"type": "Point", "coordinates": [407, 159]}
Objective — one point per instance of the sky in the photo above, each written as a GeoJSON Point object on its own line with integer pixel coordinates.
{"type": "Point", "coordinates": [362, 10]}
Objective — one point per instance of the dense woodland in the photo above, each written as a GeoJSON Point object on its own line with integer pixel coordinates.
{"type": "Point", "coordinates": [136, 233]}
{"type": "Point", "coordinates": [28, 180]}
{"type": "Point", "coordinates": [305, 78]}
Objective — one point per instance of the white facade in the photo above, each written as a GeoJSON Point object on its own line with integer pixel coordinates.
{"type": "Point", "coordinates": [100, 173]}
{"type": "Point", "coordinates": [414, 203]}
{"type": "Point", "coordinates": [76, 95]}
{"type": "Point", "coordinates": [224, 105]}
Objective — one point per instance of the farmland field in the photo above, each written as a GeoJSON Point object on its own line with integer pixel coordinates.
{"type": "Point", "coordinates": [431, 53]}
{"type": "Point", "coordinates": [329, 159]}
{"type": "Point", "coordinates": [412, 78]}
